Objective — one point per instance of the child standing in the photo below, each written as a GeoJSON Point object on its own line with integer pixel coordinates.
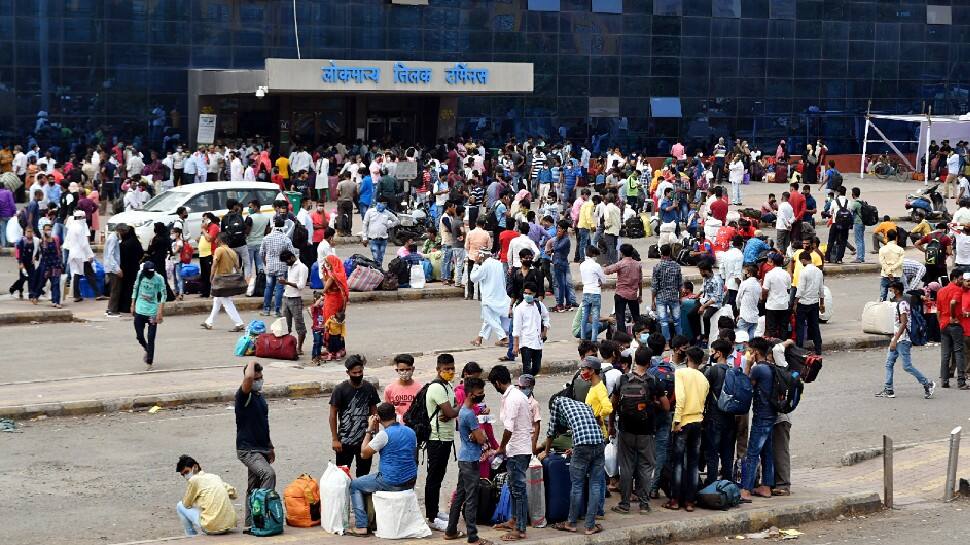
{"type": "Point", "coordinates": [336, 330]}
{"type": "Point", "coordinates": [318, 326]}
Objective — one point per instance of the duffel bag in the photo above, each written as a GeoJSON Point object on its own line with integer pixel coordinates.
{"type": "Point", "coordinates": [365, 278]}
{"type": "Point", "coordinates": [271, 346]}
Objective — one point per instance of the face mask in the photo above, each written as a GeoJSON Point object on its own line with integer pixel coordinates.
{"type": "Point", "coordinates": [643, 338]}
{"type": "Point", "coordinates": [356, 381]}
{"type": "Point", "coordinates": [478, 399]}
{"type": "Point", "coordinates": [258, 385]}
{"type": "Point", "coordinates": [587, 374]}
{"type": "Point", "coordinates": [447, 376]}
{"type": "Point", "coordinates": [529, 298]}
{"type": "Point", "coordinates": [405, 374]}
{"type": "Point", "coordinates": [149, 274]}
{"type": "Point", "coordinates": [188, 475]}
{"type": "Point", "coordinates": [739, 347]}
{"type": "Point", "coordinates": [526, 264]}
{"type": "Point", "coordinates": [381, 208]}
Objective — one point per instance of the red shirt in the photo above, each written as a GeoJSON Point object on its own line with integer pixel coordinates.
{"type": "Point", "coordinates": [943, 298]}
{"type": "Point", "coordinates": [797, 202]}
{"type": "Point", "coordinates": [320, 224]}
{"type": "Point", "coordinates": [964, 307]}
{"type": "Point", "coordinates": [504, 239]}
{"type": "Point", "coordinates": [719, 209]}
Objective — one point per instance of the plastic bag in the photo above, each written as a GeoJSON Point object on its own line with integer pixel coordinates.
{"type": "Point", "coordinates": [503, 510]}
{"type": "Point", "coordinates": [279, 327]}
{"type": "Point", "coordinates": [398, 515]}
{"type": "Point", "coordinates": [536, 492]}
{"type": "Point", "coordinates": [417, 276]}
{"type": "Point", "coordinates": [335, 493]}
{"type": "Point", "coordinates": [610, 455]}
{"type": "Point", "coordinates": [14, 231]}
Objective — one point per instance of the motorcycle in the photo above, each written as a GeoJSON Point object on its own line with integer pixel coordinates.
{"type": "Point", "coordinates": [412, 225]}
{"type": "Point", "coordinates": [927, 204]}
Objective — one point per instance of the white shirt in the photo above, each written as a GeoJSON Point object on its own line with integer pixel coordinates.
{"type": "Point", "coordinates": [303, 216]}
{"type": "Point", "coordinates": [778, 283]}
{"type": "Point", "coordinates": [322, 168]}
{"type": "Point", "coordinates": [610, 375]}
{"type": "Point", "coordinates": [786, 216]}
{"type": "Point", "coordinates": [135, 199]}
{"type": "Point", "coordinates": [961, 249]}
{"type": "Point", "coordinates": [736, 172]}
{"type": "Point", "coordinates": [953, 164]}
{"type": "Point", "coordinates": [749, 293]}
{"type": "Point", "coordinates": [235, 170]}
{"type": "Point", "coordinates": [20, 163]}
{"type": "Point", "coordinates": [323, 250]}
{"type": "Point", "coordinates": [300, 161]}
{"type": "Point", "coordinates": [134, 165]}
{"type": "Point", "coordinates": [592, 274]}
{"type": "Point", "coordinates": [297, 274]}
{"type": "Point", "coordinates": [731, 264]}
{"type": "Point", "coordinates": [47, 163]}
{"type": "Point", "coordinates": [249, 174]}
{"type": "Point", "coordinates": [214, 159]}
{"type": "Point", "coordinates": [962, 216]}
{"type": "Point", "coordinates": [809, 285]}
{"type": "Point", "coordinates": [528, 319]}
{"type": "Point", "coordinates": [519, 244]}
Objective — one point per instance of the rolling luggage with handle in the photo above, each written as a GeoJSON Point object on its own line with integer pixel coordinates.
{"type": "Point", "coordinates": [555, 473]}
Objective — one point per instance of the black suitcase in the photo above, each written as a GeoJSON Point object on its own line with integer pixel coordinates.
{"type": "Point", "coordinates": [487, 500]}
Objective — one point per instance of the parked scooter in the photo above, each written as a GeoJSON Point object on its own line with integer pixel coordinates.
{"type": "Point", "coordinates": [413, 225]}
{"type": "Point", "coordinates": [927, 204]}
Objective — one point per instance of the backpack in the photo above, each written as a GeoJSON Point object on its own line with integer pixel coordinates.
{"type": "Point", "coordinates": [934, 251]}
{"type": "Point", "coordinates": [634, 394]}
{"type": "Point", "coordinates": [22, 217]}
{"type": "Point", "coordinates": [835, 181]}
{"type": "Point", "coordinates": [267, 510]}
{"type": "Point", "coordinates": [185, 254]}
{"type": "Point", "coordinates": [301, 237]}
{"type": "Point", "coordinates": [786, 389]}
{"type": "Point", "coordinates": [302, 498]}
{"type": "Point", "coordinates": [722, 494]}
{"type": "Point", "coordinates": [235, 230]}
{"type": "Point", "coordinates": [916, 325]}
{"type": "Point", "coordinates": [843, 217]}
{"type": "Point", "coordinates": [417, 417]}
{"type": "Point", "coordinates": [401, 270]}
{"type": "Point", "coordinates": [664, 375]}
{"type": "Point", "coordinates": [491, 222]}
{"type": "Point", "coordinates": [869, 213]}
{"type": "Point", "coordinates": [805, 362]}
{"type": "Point", "coordinates": [736, 393]}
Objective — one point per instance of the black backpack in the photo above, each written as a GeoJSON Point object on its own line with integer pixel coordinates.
{"type": "Point", "coordinates": [301, 237]}
{"type": "Point", "coordinates": [869, 213]}
{"type": "Point", "coordinates": [235, 228]}
{"type": "Point", "coordinates": [786, 389]}
{"type": "Point", "coordinates": [400, 269]}
{"type": "Point", "coordinates": [491, 222]}
{"type": "Point", "coordinates": [843, 216]}
{"type": "Point", "coordinates": [417, 417]}
{"type": "Point", "coordinates": [934, 251]}
{"type": "Point", "coordinates": [835, 181]}
{"type": "Point", "coordinates": [634, 394]}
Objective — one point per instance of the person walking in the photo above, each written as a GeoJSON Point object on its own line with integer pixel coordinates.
{"type": "Point", "coordinates": [378, 222]}
{"type": "Point", "coordinates": [489, 276]}
{"type": "Point", "coordinates": [148, 309]}
{"type": "Point", "coordinates": [208, 242]}
{"type": "Point", "coordinates": [530, 323]}
{"type": "Point", "coordinates": [254, 448]}
{"type": "Point", "coordinates": [50, 266]}
{"type": "Point", "coordinates": [225, 261]}
{"type": "Point", "coordinates": [901, 345]}
{"type": "Point", "coordinates": [80, 256]}
{"type": "Point", "coordinates": [629, 286]}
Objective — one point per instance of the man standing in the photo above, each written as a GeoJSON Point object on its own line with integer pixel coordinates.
{"type": "Point", "coordinates": [952, 172]}
{"type": "Point", "coordinates": [516, 444]}
{"type": "Point", "coordinates": [784, 223]}
{"type": "Point", "coordinates": [237, 228]}
{"type": "Point", "coordinates": [296, 279]}
{"type": "Point", "coordinates": [592, 275]}
{"type": "Point", "coordinates": [258, 225]}
{"type": "Point", "coordinates": [809, 301]}
{"type": "Point", "coordinates": [346, 195]}
{"type": "Point", "coordinates": [691, 389]}
{"type": "Point", "coordinates": [584, 225]}
{"type": "Point", "coordinates": [762, 421]}
{"type": "Point", "coordinates": [901, 345]}
{"type": "Point", "coordinates": [629, 289]}
{"type": "Point", "coordinates": [473, 439]}
{"type": "Point", "coordinates": [377, 225]}
{"type": "Point", "coordinates": [353, 402]}
{"type": "Point", "coordinates": [636, 399]}
{"type": "Point", "coordinates": [949, 308]}
{"type": "Point", "coordinates": [731, 269]}
{"type": "Point", "coordinates": [254, 448]}
{"type": "Point", "coordinates": [530, 322]}
{"type": "Point", "coordinates": [273, 245]}
{"type": "Point", "coordinates": [667, 280]}
{"type": "Point", "coordinates": [148, 309]}
{"type": "Point", "coordinates": [477, 240]}
{"type": "Point", "coordinates": [936, 246]}
{"type": "Point", "coordinates": [440, 405]}
{"type": "Point", "coordinates": [611, 227]}
{"type": "Point", "coordinates": [858, 227]}
{"type": "Point", "coordinates": [775, 294]}
{"type": "Point", "coordinates": [112, 269]}
{"type": "Point", "coordinates": [450, 229]}
{"type": "Point", "coordinates": [890, 263]}
{"type": "Point", "coordinates": [720, 428]}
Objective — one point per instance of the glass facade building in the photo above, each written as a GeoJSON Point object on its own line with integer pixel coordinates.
{"type": "Point", "coordinates": [634, 72]}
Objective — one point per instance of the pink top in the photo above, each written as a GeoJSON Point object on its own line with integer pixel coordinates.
{"type": "Point", "coordinates": [401, 396]}
{"type": "Point", "coordinates": [677, 150]}
{"type": "Point", "coordinates": [517, 419]}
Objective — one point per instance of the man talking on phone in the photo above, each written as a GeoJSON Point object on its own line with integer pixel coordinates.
{"type": "Point", "coordinates": [148, 308]}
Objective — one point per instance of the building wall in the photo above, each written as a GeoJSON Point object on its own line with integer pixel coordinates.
{"type": "Point", "coordinates": [761, 69]}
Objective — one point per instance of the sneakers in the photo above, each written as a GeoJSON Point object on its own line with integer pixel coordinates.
{"type": "Point", "coordinates": [929, 388]}
{"type": "Point", "coordinates": [112, 315]}
{"type": "Point", "coordinates": [886, 392]}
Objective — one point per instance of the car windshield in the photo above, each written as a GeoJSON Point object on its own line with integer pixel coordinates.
{"type": "Point", "coordinates": [164, 202]}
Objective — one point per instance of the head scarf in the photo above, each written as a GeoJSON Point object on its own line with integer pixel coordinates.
{"type": "Point", "coordinates": [335, 269]}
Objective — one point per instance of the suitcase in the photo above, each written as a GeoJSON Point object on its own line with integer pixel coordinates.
{"type": "Point", "coordinates": [878, 317]}
{"type": "Point", "coordinates": [271, 346]}
{"type": "Point", "coordinates": [555, 473]}
{"type": "Point", "coordinates": [365, 278]}
{"type": "Point", "coordinates": [487, 500]}
{"type": "Point", "coordinates": [192, 286]}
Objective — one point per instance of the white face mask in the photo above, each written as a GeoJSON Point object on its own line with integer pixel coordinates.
{"type": "Point", "coordinates": [188, 475]}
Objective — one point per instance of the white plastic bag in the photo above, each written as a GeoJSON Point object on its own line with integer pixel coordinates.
{"type": "Point", "coordinates": [610, 463]}
{"type": "Point", "coordinates": [14, 231]}
{"type": "Point", "coordinates": [417, 276]}
{"type": "Point", "coordinates": [398, 515]}
{"type": "Point", "coordinates": [278, 328]}
{"type": "Point", "coordinates": [335, 500]}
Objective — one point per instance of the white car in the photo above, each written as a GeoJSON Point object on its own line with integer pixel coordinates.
{"type": "Point", "coordinates": [197, 200]}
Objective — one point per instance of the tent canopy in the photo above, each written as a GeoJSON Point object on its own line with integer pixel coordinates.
{"type": "Point", "coordinates": [932, 127]}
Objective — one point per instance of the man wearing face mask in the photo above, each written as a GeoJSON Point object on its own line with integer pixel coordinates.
{"type": "Point", "coordinates": [254, 448]}
{"type": "Point", "coordinates": [206, 506]}
{"type": "Point", "coordinates": [148, 309]}
{"type": "Point", "coordinates": [440, 404]}
{"type": "Point", "coordinates": [530, 323]}
{"type": "Point", "coordinates": [516, 445]}
{"type": "Point", "coordinates": [353, 401]}
{"type": "Point", "coordinates": [378, 221]}
{"type": "Point", "coordinates": [720, 428]}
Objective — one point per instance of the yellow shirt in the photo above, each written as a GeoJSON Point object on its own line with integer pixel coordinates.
{"type": "Point", "coordinates": [884, 228]}
{"type": "Point", "coordinates": [690, 389]}
{"type": "Point", "coordinates": [205, 247]}
{"type": "Point", "coordinates": [284, 165]}
{"type": "Point", "coordinates": [336, 328]}
{"type": "Point", "coordinates": [891, 260]}
{"type": "Point", "coordinates": [212, 496]}
{"type": "Point", "coordinates": [599, 401]}
{"type": "Point", "coordinates": [816, 260]}
{"type": "Point", "coordinates": [586, 216]}
{"type": "Point", "coordinates": [922, 229]}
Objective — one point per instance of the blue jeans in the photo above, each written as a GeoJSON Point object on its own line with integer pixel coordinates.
{"type": "Point", "coordinates": [377, 248]}
{"type": "Point", "coordinates": [271, 286]}
{"type": "Point", "coordinates": [446, 259]}
{"type": "Point", "coordinates": [255, 259]}
{"type": "Point", "coordinates": [368, 484]}
{"type": "Point", "coordinates": [687, 453]}
{"type": "Point", "coordinates": [363, 209]}
{"type": "Point", "coordinates": [667, 314]}
{"type": "Point", "coordinates": [661, 446]}
{"type": "Point", "coordinates": [55, 286]}
{"type": "Point", "coordinates": [736, 192]}
{"type": "Point", "coordinates": [582, 240]}
{"type": "Point", "coordinates": [317, 344]}
{"type": "Point", "coordinates": [179, 285]}
{"type": "Point", "coordinates": [860, 242]}
{"type": "Point", "coordinates": [586, 460]}
{"type": "Point", "coordinates": [560, 274]}
{"type": "Point", "coordinates": [903, 349]}
{"type": "Point", "coordinates": [747, 327]}
{"type": "Point", "coordinates": [759, 448]}
{"type": "Point", "coordinates": [3, 233]}
{"type": "Point", "coordinates": [189, 517]}
{"type": "Point", "coordinates": [591, 314]}
{"type": "Point", "coordinates": [883, 287]}
{"type": "Point", "coordinates": [517, 466]}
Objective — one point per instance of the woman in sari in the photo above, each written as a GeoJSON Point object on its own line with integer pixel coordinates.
{"type": "Point", "coordinates": [335, 290]}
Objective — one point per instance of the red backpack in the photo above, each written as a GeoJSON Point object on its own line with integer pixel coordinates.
{"type": "Point", "coordinates": [185, 254]}
{"type": "Point", "coordinates": [722, 241]}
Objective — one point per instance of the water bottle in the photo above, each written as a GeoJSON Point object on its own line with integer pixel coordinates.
{"type": "Point", "coordinates": [497, 461]}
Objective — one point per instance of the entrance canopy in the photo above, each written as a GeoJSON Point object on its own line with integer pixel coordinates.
{"type": "Point", "coordinates": [932, 127]}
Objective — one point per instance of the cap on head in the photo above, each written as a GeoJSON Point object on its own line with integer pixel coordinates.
{"type": "Point", "coordinates": [147, 266]}
{"type": "Point", "coordinates": [593, 363]}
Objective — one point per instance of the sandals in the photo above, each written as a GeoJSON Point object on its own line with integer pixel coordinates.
{"type": "Point", "coordinates": [561, 526]}
{"type": "Point", "coordinates": [596, 529]}
{"type": "Point", "coordinates": [513, 536]}
{"type": "Point", "coordinates": [459, 535]}
{"type": "Point", "coordinates": [505, 358]}
{"type": "Point", "coordinates": [671, 505]}
{"type": "Point", "coordinates": [507, 525]}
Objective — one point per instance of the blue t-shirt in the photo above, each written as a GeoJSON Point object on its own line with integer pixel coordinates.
{"type": "Point", "coordinates": [667, 216]}
{"type": "Point", "coordinates": [470, 451]}
{"type": "Point", "coordinates": [753, 248]}
{"type": "Point", "coordinates": [500, 210]}
{"type": "Point", "coordinates": [763, 378]}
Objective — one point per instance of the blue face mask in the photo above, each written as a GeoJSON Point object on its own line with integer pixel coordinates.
{"type": "Point", "coordinates": [381, 208]}
{"type": "Point", "coordinates": [528, 298]}
{"type": "Point", "coordinates": [643, 338]}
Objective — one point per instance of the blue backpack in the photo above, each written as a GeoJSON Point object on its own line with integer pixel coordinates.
{"type": "Point", "coordinates": [736, 394]}
{"type": "Point", "coordinates": [267, 510]}
{"type": "Point", "coordinates": [916, 328]}
{"type": "Point", "coordinates": [721, 494]}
